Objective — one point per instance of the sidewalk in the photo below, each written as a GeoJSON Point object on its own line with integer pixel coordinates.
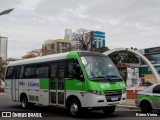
{"type": "Point", "coordinates": [1, 93]}
{"type": "Point", "coordinates": [130, 103]}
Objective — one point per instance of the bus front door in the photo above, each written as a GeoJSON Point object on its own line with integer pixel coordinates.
{"type": "Point", "coordinates": [15, 84]}
{"type": "Point", "coordinates": [57, 92]}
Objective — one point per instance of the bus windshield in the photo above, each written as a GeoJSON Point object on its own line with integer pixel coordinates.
{"type": "Point", "coordinates": [100, 67]}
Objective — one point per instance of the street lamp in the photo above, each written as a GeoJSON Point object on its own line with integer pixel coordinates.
{"type": "Point", "coordinates": [6, 11]}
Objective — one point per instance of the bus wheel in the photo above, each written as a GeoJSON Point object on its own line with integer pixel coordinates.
{"type": "Point", "coordinates": [145, 107]}
{"type": "Point", "coordinates": [24, 102]}
{"type": "Point", "coordinates": [74, 108]}
{"type": "Point", "coordinates": [109, 110]}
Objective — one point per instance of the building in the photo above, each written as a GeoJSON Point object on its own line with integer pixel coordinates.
{"type": "Point", "coordinates": [98, 39]}
{"type": "Point", "coordinates": [3, 47]}
{"type": "Point", "coordinates": [153, 55]}
{"type": "Point", "coordinates": [56, 46]}
{"type": "Point", "coordinates": [68, 34]}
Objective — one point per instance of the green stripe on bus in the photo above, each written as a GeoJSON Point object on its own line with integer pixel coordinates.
{"type": "Point", "coordinates": [74, 84]}
{"type": "Point", "coordinates": [44, 83]}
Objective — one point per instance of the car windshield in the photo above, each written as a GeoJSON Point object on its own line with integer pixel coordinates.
{"type": "Point", "coordinates": [100, 67]}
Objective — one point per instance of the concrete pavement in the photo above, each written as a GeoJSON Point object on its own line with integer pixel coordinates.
{"type": "Point", "coordinates": [1, 93]}
{"type": "Point", "coordinates": [130, 104]}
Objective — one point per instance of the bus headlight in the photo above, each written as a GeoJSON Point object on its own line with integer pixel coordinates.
{"type": "Point", "coordinates": [98, 92]}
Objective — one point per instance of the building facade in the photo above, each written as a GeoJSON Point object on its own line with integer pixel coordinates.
{"type": "Point", "coordinates": [98, 39]}
{"type": "Point", "coordinates": [56, 46]}
{"type": "Point", "coordinates": [68, 34]}
{"type": "Point", "coordinates": [153, 55]}
{"type": "Point", "coordinates": [3, 47]}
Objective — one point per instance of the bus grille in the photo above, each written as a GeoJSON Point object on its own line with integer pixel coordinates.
{"type": "Point", "coordinates": [113, 95]}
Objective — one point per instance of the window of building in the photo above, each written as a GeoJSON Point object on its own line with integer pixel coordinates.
{"type": "Point", "coordinates": [155, 58]}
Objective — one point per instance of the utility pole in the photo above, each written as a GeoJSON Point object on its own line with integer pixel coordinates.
{"type": "Point", "coordinates": [6, 11]}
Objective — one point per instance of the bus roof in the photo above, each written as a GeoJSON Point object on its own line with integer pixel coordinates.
{"type": "Point", "coordinates": [40, 59]}
{"type": "Point", "coordinates": [52, 57]}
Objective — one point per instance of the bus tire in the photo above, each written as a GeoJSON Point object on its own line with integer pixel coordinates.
{"type": "Point", "coordinates": [24, 102]}
{"type": "Point", "coordinates": [74, 108]}
{"type": "Point", "coordinates": [146, 107]}
{"type": "Point", "coordinates": [109, 110]}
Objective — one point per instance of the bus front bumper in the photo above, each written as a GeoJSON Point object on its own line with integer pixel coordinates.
{"type": "Point", "coordinates": [94, 100]}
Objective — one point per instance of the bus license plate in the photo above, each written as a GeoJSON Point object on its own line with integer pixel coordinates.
{"type": "Point", "coordinates": [114, 98]}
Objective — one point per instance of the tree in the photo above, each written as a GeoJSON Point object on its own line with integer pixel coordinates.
{"type": "Point", "coordinates": [37, 52]}
{"type": "Point", "coordinates": [124, 57]}
{"type": "Point", "coordinates": [102, 49]}
{"type": "Point", "coordinates": [84, 37]}
{"type": "Point", "coordinates": [33, 53]}
{"type": "Point", "coordinates": [11, 59]}
{"type": "Point", "coordinates": [3, 65]}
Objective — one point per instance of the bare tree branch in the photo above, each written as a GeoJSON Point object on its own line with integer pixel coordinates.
{"type": "Point", "coordinates": [84, 37]}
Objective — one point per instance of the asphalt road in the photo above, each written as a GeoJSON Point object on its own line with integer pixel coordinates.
{"type": "Point", "coordinates": [50, 113]}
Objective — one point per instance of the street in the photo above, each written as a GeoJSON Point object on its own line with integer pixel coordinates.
{"type": "Point", "coordinates": [58, 113]}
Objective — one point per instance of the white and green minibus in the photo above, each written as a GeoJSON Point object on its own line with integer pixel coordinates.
{"type": "Point", "coordinates": [73, 80]}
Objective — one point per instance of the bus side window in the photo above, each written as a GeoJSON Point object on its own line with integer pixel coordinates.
{"type": "Point", "coordinates": [54, 68]}
{"type": "Point", "coordinates": [21, 72]}
{"type": "Point", "coordinates": [9, 74]}
{"type": "Point", "coordinates": [74, 70]}
{"type": "Point", "coordinates": [69, 71]}
{"type": "Point", "coordinates": [29, 71]}
{"type": "Point", "coordinates": [61, 69]}
{"type": "Point", "coordinates": [42, 71]}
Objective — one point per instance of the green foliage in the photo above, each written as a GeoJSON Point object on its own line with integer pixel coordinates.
{"type": "Point", "coordinates": [124, 57]}
{"type": "Point", "coordinates": [102, 49]}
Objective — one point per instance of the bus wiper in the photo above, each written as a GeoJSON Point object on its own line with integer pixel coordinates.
{"type": "Point", "coordinates": [110, 76]}
{"type": "Point", "coordinates": [98, 77]}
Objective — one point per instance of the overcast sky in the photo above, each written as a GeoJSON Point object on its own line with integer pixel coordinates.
{"type": "Point", "coordinates": [126, 22]}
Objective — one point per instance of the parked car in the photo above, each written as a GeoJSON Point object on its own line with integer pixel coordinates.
{"type": "Point", "coordinates": [1, 86]}
{"type": "Point", "coordinates": [149, 98]}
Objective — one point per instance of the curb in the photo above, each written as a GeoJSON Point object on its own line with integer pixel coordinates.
{"type": "Point", "coordinates": [127, 106]}
{"type": "Point", "coordinates": [1, 93]}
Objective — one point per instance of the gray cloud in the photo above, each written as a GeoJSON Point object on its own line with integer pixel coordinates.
{"type": "Point", "coordinates": [126, 22]}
